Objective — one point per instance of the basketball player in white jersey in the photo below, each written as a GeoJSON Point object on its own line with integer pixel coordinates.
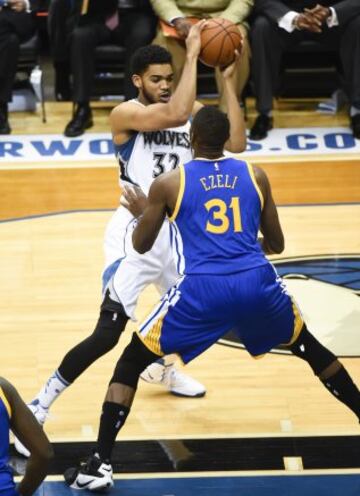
{"type": "Point", "coordinates": [151, 136]}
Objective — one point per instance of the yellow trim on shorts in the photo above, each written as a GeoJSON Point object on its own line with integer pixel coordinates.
{"type": "Point", "coordinates": [152, 338]}
{"type": "Point", "coordinates": [252, 175]}
{"type": "Point", "coordinates": [298, 324]}
{"type": "Point", "coordinates": [147, 345]}
{"type": "Point", "coordinates": [180, 194]}
{"type": "Point", "coordinates": [5, 401]}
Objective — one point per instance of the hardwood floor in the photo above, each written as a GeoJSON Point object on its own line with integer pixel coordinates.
{"type": "Point", "coordinates": [50, 294]}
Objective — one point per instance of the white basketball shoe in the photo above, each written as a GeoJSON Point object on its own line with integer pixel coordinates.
{"type": "Point", "coordinates": [41, 415]}
{"type": "Point", "coordinates": [175, 381]}
{"type": "Point", "coordinates": [93, 475]}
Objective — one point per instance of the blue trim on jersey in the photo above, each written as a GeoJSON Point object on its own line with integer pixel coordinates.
{"type": "Point", "coordinates": [109, 272]}
{"type": "Point", "coordinates": [123, 153]}
{"type": "Point", "coordinates": [125, 149]}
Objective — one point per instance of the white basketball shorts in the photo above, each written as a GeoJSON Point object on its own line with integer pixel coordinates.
{"type": "Point", "coordinates": [127, 272]}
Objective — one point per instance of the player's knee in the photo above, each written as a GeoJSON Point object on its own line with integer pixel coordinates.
{"type": "Point", "coordinates": [308, 348]}
{"type": "Point", "coordinates": [135, 358]}
{"type": "Point", "coordinates": [111, 323]}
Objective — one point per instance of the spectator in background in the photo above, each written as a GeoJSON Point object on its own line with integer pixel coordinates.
{"type": "Point", "coordinates": [62, 19]}
{"type": "Point", "coordinates": [15, 415]}
{"type": "Point", "coordinates": [129, 23]}
{"type": "Point", "coordinates": [280, 24]}
{"type": "Point", "coordinates": [175, 13]}
{"type": "Point", "coordinates": [16, 26]}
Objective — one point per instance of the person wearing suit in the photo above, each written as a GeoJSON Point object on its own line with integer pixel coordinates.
{"type": "Point", "coordinates": [175, 13]}
{"type": "Point", "coordinates": [63, 16]}
{"type": "Point", "coordinates": [280, 24]}
{"type": "Point", "coordinates": [16, 26]}
{"type": "Point", "coordinates": [129, 23]}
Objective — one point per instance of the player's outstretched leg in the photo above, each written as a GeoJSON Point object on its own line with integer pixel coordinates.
{"type": "Point", "coordinates": [96, 473]}
{"type": "Point", "coordinates": [329, 370]}
{"type": "Point", "coordinates": [111, 323]}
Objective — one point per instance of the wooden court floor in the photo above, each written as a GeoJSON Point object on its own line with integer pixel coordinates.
{"type": "Point", "coordinates": [50, 267]}
{"type": "Point", "coordinates": [51, 229]}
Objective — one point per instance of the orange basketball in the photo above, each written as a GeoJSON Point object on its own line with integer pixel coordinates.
{"type": "Point", "coordinates": [219, 40]}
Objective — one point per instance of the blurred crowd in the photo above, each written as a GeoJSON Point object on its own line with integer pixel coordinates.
{"type": "Point", "coordinates": [269, 29]}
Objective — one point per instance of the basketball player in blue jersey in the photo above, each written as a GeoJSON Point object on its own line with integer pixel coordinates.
{"type": "Point", "coordinates": [15, 416]}
{"type": "Point", "coordinates": [151, 136]}
{"type": "Point", "coordinates": [217, 205]}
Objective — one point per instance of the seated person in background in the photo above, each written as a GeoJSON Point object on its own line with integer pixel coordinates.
{"type": "Point", "coordinates": [280, 24]}
{"type": "Point", "coordinates": [62, 19]}
{"type": "Point", "coordinates": [15, 415]}
{"type": "Point", "coordinates": [16, 26]}
{"type": "Point", "coordinates": [129, 23]}
{"type": "Point", "coordinates": [175, 12]}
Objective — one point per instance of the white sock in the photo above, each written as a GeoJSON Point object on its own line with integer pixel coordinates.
{"type": "Point", "coordinates": [51, 390]}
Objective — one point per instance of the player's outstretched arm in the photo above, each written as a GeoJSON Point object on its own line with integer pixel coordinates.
{"type": "Point", "coordinates": [127, 116]}
{"type": "Point", "coordinates": [27, 429]}
{"type": "Point", "coordinates": [150, 213]}
{"type": "Point", "coordinates": [273, 241]}
{"type": "Point", "coordinates": [237, 141]}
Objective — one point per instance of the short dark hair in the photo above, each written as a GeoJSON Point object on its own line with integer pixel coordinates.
{"type": "Point", "coordinates": [211, 128]}
{"type": "Point", "coordinates": [147, 55]}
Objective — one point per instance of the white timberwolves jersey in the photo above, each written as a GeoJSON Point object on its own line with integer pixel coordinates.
{"type": "Point", "coordinates": [148, 154]}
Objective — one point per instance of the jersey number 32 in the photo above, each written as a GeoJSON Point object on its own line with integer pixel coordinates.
{"type": "Point", "coordinates": [164, 162]}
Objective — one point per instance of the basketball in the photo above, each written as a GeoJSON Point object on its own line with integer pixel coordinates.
{"type": "Point", "coordinates": [219, 40]}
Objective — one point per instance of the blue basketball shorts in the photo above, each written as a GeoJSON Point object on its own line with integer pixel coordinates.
{"type": "Point", "coordinates": [200, 309]}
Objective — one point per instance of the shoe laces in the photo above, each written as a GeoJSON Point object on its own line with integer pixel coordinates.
{"type": "Point", "coordinates": [91, 465]}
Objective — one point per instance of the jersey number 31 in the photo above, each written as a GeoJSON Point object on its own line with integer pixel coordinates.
{"type": "Point", "coordinates": [221, 213]}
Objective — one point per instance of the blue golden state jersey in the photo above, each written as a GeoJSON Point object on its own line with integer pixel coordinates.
{"type": "Point", "coordinates": [216, 219]}
{"type": "Point", "coordinates": [7, 485]}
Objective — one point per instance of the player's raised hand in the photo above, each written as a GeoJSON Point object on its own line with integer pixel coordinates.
{"type": "Point", "coordinates": [193, 40]}
{"type": "Point", "coordinates": [134, 200]}
{"type": "Point", "coordinates": [229, 71]}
